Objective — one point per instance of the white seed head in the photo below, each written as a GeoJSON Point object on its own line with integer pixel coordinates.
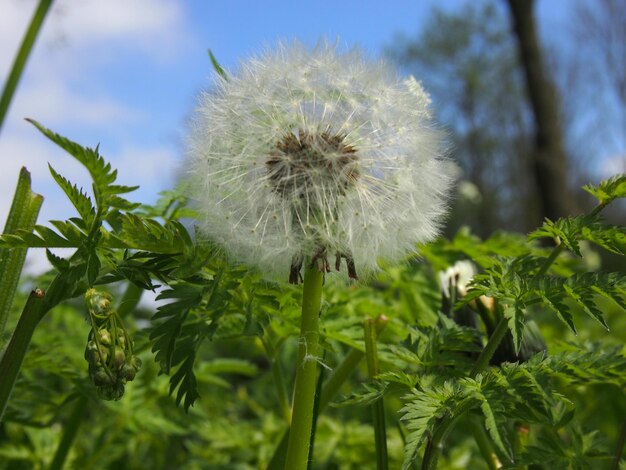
{"type": "Point", "coordinates": [305, 153]}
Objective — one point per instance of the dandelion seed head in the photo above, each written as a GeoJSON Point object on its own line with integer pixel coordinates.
{"type": "Point", "coordinates": [312, 153]}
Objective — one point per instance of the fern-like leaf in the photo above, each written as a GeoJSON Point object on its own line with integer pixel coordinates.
{"type": "Point", "coordinates": [77, 197]}
{"type": "Point", "coordinates": [608, 190]}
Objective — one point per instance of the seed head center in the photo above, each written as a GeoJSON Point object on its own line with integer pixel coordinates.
{"type": "Point", "coordinates": [312, 161]}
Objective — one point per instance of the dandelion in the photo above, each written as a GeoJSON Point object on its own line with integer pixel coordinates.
{"type": "Point", "coordinates": [317, 155]}
{"type": "Point", "coordinates": [457, 276]}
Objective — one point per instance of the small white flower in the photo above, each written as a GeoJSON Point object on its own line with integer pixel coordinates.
{"type": "Point", "coordinates": [310, 154]}
{"type": "Point", "coordinates": [458, 275]}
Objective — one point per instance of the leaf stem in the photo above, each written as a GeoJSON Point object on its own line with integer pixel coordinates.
{"type": "Point", "coordinates": [22, 56]}
{"type": "Point", "coordinates": [378, 407]}
{"type": "Point", "coordinates": [70, 431]}
{"type": "Point", "coordinates": [16, 350]}
{"type": "Point", "coordinates": [306, 372]}
{"type": "Point", "coordinates": [490, 348]}
{"type": "Point", "coordinates": [484, 445]}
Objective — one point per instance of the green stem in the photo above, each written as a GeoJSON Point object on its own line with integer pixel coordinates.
{"type": "Point", "coordinates": [14, 355]}
{"type": "Point", "coordinates": [346, 367]}
{"type": "Point", "coordinates": [378, 407]}
{"type": "Point", "coordinates": [22, 215]}
{"type": "Point", "coordinates": [490, 348]}
{"type": "Point", "coordinates": [306, 372]}
{"type": "Point", "coordinates": [70, 431]}
{"type": "Point", "coordinates": [619, 449]}
{"type": "Point", "coordinates": [484, 445]}
{"type": "Point", "coordinates": [435, 443]}
{"type": "Point", "coordinates": [277, 375]}
{"type": "Point", "coordinates": [329, 390]}
{"type": "Point", "coordinates": [22, 55]}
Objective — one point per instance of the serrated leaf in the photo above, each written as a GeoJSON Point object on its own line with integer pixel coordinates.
{"type": "Point", "coordinates": [77, 197]}
{"type": "Point", "coordinates": [59, 263]}
{"type": "Point", "coordinates": [515, 316]}
{"type": "Point", "coordinates": [561, 310]}
{"type": "Point", "coordinates": [608, 190]}
{"type": "Point", "coordinates": [586, 302]}
{"type": "Point", "coordinates": [100, 171]}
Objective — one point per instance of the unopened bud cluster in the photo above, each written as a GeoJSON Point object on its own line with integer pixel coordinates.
{"type": "Point", "coordinates": [109, 350]}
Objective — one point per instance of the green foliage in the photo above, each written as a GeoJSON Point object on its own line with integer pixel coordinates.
{"type": "Point", "coordinates": [571, 230]}
{"type": "Point", "coordinates": [608, 190]}
{"type": "Point", "coordinates": [221, 338]}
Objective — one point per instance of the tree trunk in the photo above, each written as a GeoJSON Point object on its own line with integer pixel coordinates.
{"type": "Point", "coordinates": [549, 159]}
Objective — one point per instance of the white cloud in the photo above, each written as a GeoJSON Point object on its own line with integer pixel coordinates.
{"type": "Point", "coordinates": [154, 169]}
{"type": "Point", "coordinates": [613, 165]}
{"type": "Point", "coordinates": [66, 87]}
{"type": "Point", "coordinates": [156, 26]}
{"type": "Point", "coordinates": [54, 103]}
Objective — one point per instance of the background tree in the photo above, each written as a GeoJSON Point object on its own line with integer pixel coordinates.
{"type": "Point", "coordinates": [467, 60]}
{"type": "Point", "coordinates": [549, 161]}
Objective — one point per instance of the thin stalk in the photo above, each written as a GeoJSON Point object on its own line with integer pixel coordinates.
{"type": "Point", "coordinates": [70, 431]}
{"type": "Point", "coordinates": [22, 215]}
{"type": "Point", "coordinates": [484, 445]}
{"type": "Point", "coordinates": [306, 372]}
{"type": "Point", "coordinates": [378, 407]}
{"type": "Point", "coordinates": [346, 367]}
{"type": "Point", "coordinates": [490, 348]}
{"type": "Point", "coordinates": [332, 385]}
{"type": "Point", "coordinates": [21, 57]}
{"type": "Point", "coordinates": [14, 354]}
{"type": "Point", "coordinates": [435, 443]}
{"type": "Point", "coordinates": [619, 449]}
{"type": "Point", "coordinates": [279, 381]}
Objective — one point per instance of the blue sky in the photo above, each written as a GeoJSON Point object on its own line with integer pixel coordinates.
{"type": "Point", "coordinates": [126, 74]}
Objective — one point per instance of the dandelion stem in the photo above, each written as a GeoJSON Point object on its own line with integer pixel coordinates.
{"type": "Point", "coordinates": [329, 390]}
{"type": "Point", "coordinates": [306, 372]}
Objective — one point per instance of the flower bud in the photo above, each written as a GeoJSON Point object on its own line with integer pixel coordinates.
{"type": "Point", "coordinates": [101, 378]}
{"type": "Point", "coordinates": [118, 357]}
{"type": "Point", "coordinates": [128, 372]}
{"type": "Point", "coordinates": [104, 336]}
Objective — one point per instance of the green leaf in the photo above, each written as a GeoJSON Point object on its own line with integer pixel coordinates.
{"type": "Point", "coordinates": [608, 190]}
{"type": "Point", "coordinates": [424, 409]}
{"type": "Point", "coordinates": [561, 310]}
{"type": "Point", "coordinates": [80, 200]}
{"type": "Point", "coordinates": [176, 344]}
{"type": "Point", "coordinates": [218, 68]}
{"type": "Point", "coordinates": [515, 316]}
{"type": "Point", "coordinates": [103, 176]}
